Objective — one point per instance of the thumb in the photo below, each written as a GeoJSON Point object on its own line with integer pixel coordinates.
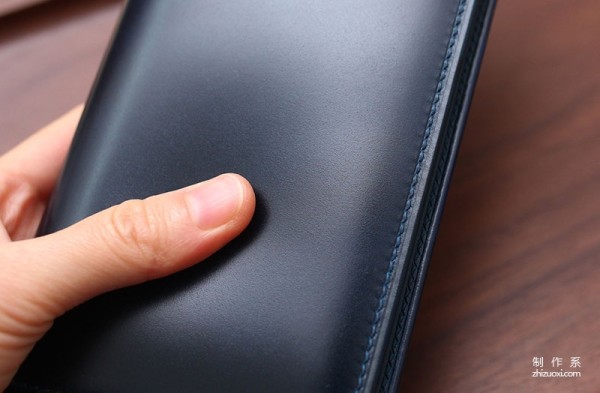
{"type": "Point", "coordinates": [133, 242]}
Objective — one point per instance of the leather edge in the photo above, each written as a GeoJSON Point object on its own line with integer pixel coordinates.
{"type": "Point", "coordinates": [486, 17]}
{"type": "Point", "coordinates": [395, 326]}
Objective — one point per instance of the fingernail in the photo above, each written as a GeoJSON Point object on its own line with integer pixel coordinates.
{"type": "Point", "coordinates": [215, 202]}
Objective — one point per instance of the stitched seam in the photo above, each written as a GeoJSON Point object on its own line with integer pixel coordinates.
{"type": "Point", "coordinates": [438, 179]}
{"type": "Point", "coordinates": [25, 387]}
{"type": "Point", "coordinates": [437, 182]}
{"type": "Point", "coordinates": [411, 193]}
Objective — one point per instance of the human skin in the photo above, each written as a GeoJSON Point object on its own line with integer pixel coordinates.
{"type": "Point", "coordinates": [136, 241]}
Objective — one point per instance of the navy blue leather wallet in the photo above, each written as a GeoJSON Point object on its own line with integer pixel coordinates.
{"type": "Point", "coordinates": [345, 115]}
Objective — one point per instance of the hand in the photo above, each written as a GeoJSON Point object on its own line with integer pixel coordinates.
{"type": "Point", "coordinates": [127, 244]}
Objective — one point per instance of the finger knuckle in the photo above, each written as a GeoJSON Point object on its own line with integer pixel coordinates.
{"type": "Point", "coordinates": [137, 236]}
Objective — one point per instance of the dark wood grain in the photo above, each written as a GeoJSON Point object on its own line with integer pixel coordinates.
{"type": "Point", "coordinates": [10, 6]}
{"type": "Point", "coordinates": [49, 55]}
{"type": "Point", "coordinates": [516, 268]}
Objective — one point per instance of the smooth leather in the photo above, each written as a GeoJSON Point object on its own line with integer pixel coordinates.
{"type": "Point", "coordinates": [336, 112]}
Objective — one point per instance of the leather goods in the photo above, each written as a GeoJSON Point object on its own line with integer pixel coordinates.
{"type": "Point", "coordinates": [346, 118]}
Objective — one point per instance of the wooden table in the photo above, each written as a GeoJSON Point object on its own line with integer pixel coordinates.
{"type": "Point", "coordinates": [516, 269]}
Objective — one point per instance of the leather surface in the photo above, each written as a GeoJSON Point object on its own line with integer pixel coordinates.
{"type": "Point", "coordinates": [338, 114]}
